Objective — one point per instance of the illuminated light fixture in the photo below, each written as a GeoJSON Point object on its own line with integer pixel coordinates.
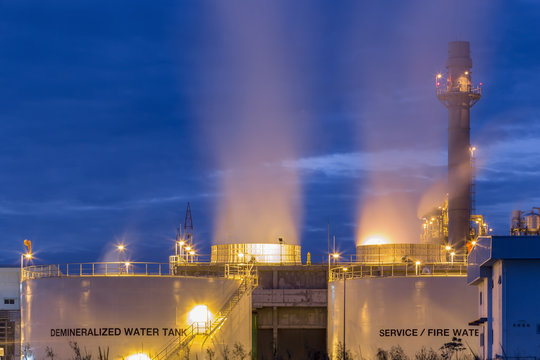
{"type": "Point", "coordinates": [181, 243]}
{"type": "Point", "coordinates": [344, 269]}
{"type": "Point", "coordinates": [138, 356]}
{"type": "Point", "coordinates": [192, 252]}
{"type": "Point", "coordinates": [199, 314]}
{"type": "Point", "coordinates": [448, 248]}
{"type": "Point", "coordinates": [28, 255]}
{"type": "Point", "coordinates": [466, 73]}
{"type": "Point", "coordinates": [452, 253]}
{"type": "Point", "coordinates": [473, 243]}
{"type": "Point", "coordinates": [240, 255]}
{"type": "Point", "coordinates": [418, 262]}
{"type": "Point", "coordinates": [335, 255]}
{"type": "Point", "coordinates": [127, 264]}
{"type": "Point", "coordinates": [120, 247]}
{"type": "Point", "coordinates": [439, 76]}
{"type": "Point", "coordinates": [188, 248]}
{"type": "Point", "coordinates": [490, 229]}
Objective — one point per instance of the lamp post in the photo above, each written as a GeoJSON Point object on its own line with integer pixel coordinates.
{"type": "Point", "coordinates": [417, 264]}
{"type": "Point", "coordinates": [181, 250]}
{"type": "Point", "coordinates": [452, 256]}
{"type": "Point", "coordinates": [120, 249]}
{"type": "Point", "coordinates": [26, 256]}
{"type": "Point", "coordinates": [344, 312]}
{"type": "Point", "coordinates": [280, 251]}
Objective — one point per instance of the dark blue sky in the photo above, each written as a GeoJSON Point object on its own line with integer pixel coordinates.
{"type": "Point", "coordinates": [113, 115]}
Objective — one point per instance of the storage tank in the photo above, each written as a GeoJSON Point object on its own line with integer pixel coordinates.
{"type": "Point", "coordinates": [397, 253]}
{"type": "Point", "coordinates": [279, 253]}
{"type": "Point", "coordinates": [533, 223]}
{"type": "Point", "coordinates": [125, 313]}
{"type": "Point", "coordinates": [411, 312]}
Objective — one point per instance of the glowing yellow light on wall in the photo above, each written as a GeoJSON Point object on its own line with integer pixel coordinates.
{"type": "Point", "coordinates": [199, 314]}
{"type": "Point", "coordinates": [376, 240]}
{"type": "Point", "coordinates": [138, 356]}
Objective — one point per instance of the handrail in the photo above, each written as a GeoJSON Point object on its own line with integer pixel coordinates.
{"type": "Point", "coordinates": [471, 90]}
{"type": "Point", "coordinates": [126, 268]}
{"type": "Point", "coordinates": [248, 274]}
{"type": "Point", "coordinates": [369, 270]}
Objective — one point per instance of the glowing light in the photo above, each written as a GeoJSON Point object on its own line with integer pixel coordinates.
{"type": "Point", "coordinates": [473, 243]}
{"type": "Point", "coordinates": [138, 356]}
{"type": "Point", "coordinates": [240, 255]}
{"type": "Point", "coordinates": [199, 314]}
{"type": "Point", "coordinates": [418, 263]}
{"type": "Point", "coordinates": [188, 248]}
{"type": "Point", "coordinates": [466, 73]}
{"type": "Point", "coordinates": [192, 252]}
{"type": "Point", "coordinates": [376, 240]}
{"type": "Point", "coordinates": [28, 256]}
{"type": "Point", "coordinates": [127, 264]}
{"type": "Point", "coordinates": [452, 253]}
{"type": "Point", "coordinates": [344, 269]}
{"type": "Point", "coordinates": [120, 247]}
{"type": "Point", "coordinates": [181, 243]}
{"type": "Point", "coordinates": [335, 255]}
{"type": "Point", "coordinates": [439, 76]}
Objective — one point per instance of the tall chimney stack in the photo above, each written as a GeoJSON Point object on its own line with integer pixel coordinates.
{"type": "Point", "coordinates": [458, 95]}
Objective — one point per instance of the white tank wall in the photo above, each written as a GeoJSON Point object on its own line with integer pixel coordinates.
{"type": "Point", "coordinates": [413, 305]}
{"type": "Point", "coordinates": [124, 302]}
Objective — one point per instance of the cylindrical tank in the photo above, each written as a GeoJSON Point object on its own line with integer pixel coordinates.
{"type": "Point", "coordinates": [259, 253]}
{"type": "Point", "coordinates": [399, 253]}
{"type": "Point", "coordinates": [377, 314]}
{"type": "Point", "coordinates": [533, 223]}
{"type": "Point", "coordinates": [126, 315]}
{"type": "Point", "coordinates": [516, 222]}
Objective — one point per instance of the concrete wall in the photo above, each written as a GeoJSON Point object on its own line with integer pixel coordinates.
{"type": "Point", "coordinates": [9, 288]}
{"type": "Point", "coordinates": [290, 306]}
{"type": "Point", "coordinates": [125, 303]}
{"type": "Point", "coordinates": [10, 312]}
{"type": "Point", "coordinates": [411, 312]}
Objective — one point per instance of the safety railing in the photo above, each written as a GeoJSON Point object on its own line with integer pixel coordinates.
{"type": "Point", "coordinates": [96, 269]}
{"type": "Point", "coordinates": [248, 274]}
{"type": "Point", "coordinates": [443, 90]}
{"type": "Point", "coordinates": [366, 270]}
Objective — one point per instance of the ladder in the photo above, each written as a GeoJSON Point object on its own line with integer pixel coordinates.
{"type": "Point", "coordinates": [248, 274]}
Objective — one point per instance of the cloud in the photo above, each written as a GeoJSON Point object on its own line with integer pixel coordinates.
{"type": "Point", "coordinates": [354, 164]}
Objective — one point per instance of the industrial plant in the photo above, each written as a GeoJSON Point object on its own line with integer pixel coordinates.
{"type": "Point", "coordinates": [457, 293]}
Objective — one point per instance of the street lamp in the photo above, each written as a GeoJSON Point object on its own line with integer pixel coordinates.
{"type": "Point", "coordinates": [127, 267]}
{"type": "Point", "coordinates": [240, 257]}
{"type": "Point", "coordinates": [452, 256]}
{"type": "Point", "coordinates": [417, 264]}
{"type": "Point", "coordinates": [280, 251]}
{"type": "Point", "coordinates": [28, 257]}
{"type": "Point", "coordinates": [344, 312]}
{"type": "Point", "coordinates": [120, 249]}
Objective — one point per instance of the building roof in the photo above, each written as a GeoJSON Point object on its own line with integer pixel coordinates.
{"type": "Point", "coordinates": [489, 249]}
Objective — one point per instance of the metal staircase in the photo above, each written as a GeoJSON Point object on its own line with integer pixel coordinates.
{"type": "Point", "coordinates": [245, 272]}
